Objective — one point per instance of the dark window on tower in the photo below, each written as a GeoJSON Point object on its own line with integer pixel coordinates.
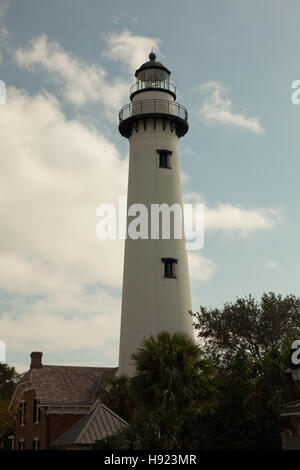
{"type": "Point", "coordinates": [36, 412]}
{"type": "Point", "coordinates": [169, 267]}
{"type": "Point", "coordinates": [164, 158]}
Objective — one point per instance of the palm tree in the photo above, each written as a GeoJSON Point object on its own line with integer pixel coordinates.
{"type": "Point", "coordinates": [168, 392]}
{"type": "Point", "coordinates": [165, 397]}
{"type": "Point", "coordinates": [171, 373]}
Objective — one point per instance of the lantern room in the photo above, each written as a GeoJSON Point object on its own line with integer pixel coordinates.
{"type": "Point", "coordinates": [153, 75]}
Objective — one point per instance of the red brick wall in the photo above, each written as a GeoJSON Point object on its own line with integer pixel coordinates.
{"type": "Point", "coordinates": [30, 430]}
{"type": "Point", "coordinates": [284, 433]}
{"type": "Point", "coordinates": [48, 430]}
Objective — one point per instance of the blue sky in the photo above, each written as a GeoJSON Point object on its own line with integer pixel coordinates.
{"type": "Point", "coordinates": [68, 66]}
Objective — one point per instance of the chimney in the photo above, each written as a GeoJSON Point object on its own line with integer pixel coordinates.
{"type": "Point", "coordinates": [36, 360]}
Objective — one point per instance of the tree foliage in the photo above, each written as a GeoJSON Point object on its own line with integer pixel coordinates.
{"type": "Point", "coordinates": [171, 381]}
{"type": "Point", "coordinates": [171, 373]}
{"type": "Point", "coordinates": [8, 379]}
{"type": "Point", "coordinates": [256, 327]}
{"type": "Point", "coordinates": [118, 396]}
{"type": "Point", "coordinates": [223, 395]}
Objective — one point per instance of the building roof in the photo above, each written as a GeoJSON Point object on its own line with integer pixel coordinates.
{"type": "Point", "coordinates": [100, 423]}
{"type": "Point", "coordinates": [290, 409]}
{"type": "Point", "coordinates": [64, 385]}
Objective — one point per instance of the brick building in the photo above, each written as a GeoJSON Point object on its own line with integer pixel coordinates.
{"type": "Point", "coordinates": [290, 437]}
{"type": "Point", "coordinates": [49, 400]}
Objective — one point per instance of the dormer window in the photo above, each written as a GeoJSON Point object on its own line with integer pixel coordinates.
{"type": "Point", "coordinates": [22, 413]}
{"type": "Point", "coordinates": [36, 412]}
{"type": "Point", "coordinates": [164, 158]}
{"type": "Point", "coordinates": [170, 267]}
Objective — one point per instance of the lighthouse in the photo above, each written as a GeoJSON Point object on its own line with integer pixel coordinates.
{"type": "Point", "coordinates": [156, 289]}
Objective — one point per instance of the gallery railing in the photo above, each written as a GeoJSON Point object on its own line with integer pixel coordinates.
{"type": "Point", "coordinates": [153, 107]}
{"type": "Point", "coordinates": [161, 84]}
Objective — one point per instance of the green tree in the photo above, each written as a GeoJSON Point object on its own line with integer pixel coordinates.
{"type": "Point", "coordinates": [256, 327]}
{"type": "Point", "coordinates": [8, 379]}
{"type": "Point", "coordinates": [160, 430]}
{"type": "Point", "coordinates": [249, 343]}
{"type": "Point", "coordinates": [241, 417]}
{"type": "Point", "coordinates": [222, 395]}
{"type": "Point", "coordinates": [171, 385]}
{"type": "Point", "coordinates": [171, 373]}
{"type": "Point", "coordinates": [117, 396]}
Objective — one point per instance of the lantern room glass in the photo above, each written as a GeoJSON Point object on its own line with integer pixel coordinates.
{"type": "Point", "coordinates": [153, 78]}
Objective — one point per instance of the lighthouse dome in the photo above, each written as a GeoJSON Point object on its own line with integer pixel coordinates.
{"type": "Point", "coordinates": [152, 70]}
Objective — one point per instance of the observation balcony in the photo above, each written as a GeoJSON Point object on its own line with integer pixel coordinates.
{"type": "Point", "coordinates": [132, 113]}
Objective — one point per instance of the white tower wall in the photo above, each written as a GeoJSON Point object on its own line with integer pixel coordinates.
{"type": "Point", "coordinates": [152, 303]}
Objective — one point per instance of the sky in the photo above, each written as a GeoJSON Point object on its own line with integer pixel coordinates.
{"type": "Point", "coordinates": [68, 66]}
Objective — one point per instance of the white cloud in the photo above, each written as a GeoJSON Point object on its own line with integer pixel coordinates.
{"type": "Point", "coordinates": [54, 174]}
{"type": "Point", "coordinates": [53, 332]}
{"type": "Point", "coordinates": [201, 268]}
{"type": "Point", "coordinates": [272, 264]}
{"type": "Point", "coordinates": [217, 110]}
{"type": "Point", "coordinates": [193, 197]}
{"type": "Point", "coordinates": [211, 86]}
{"type": "Point", "coordinates": [80, 82]}
{"type": "Point", "coordinates": [234, 219]}
{"type": "Point", "coordinates": [83, 83]}
{"type": "Point", "coordinates": [130, 49]}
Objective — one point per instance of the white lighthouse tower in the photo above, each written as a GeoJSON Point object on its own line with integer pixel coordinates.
{"type": "Point", "coordinates": [156, 290]}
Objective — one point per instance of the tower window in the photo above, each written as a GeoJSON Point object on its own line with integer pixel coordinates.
{"type": "Point", "coordinates": [164, 158]}
{"type": "Point", "coordinates": [169, 267]}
